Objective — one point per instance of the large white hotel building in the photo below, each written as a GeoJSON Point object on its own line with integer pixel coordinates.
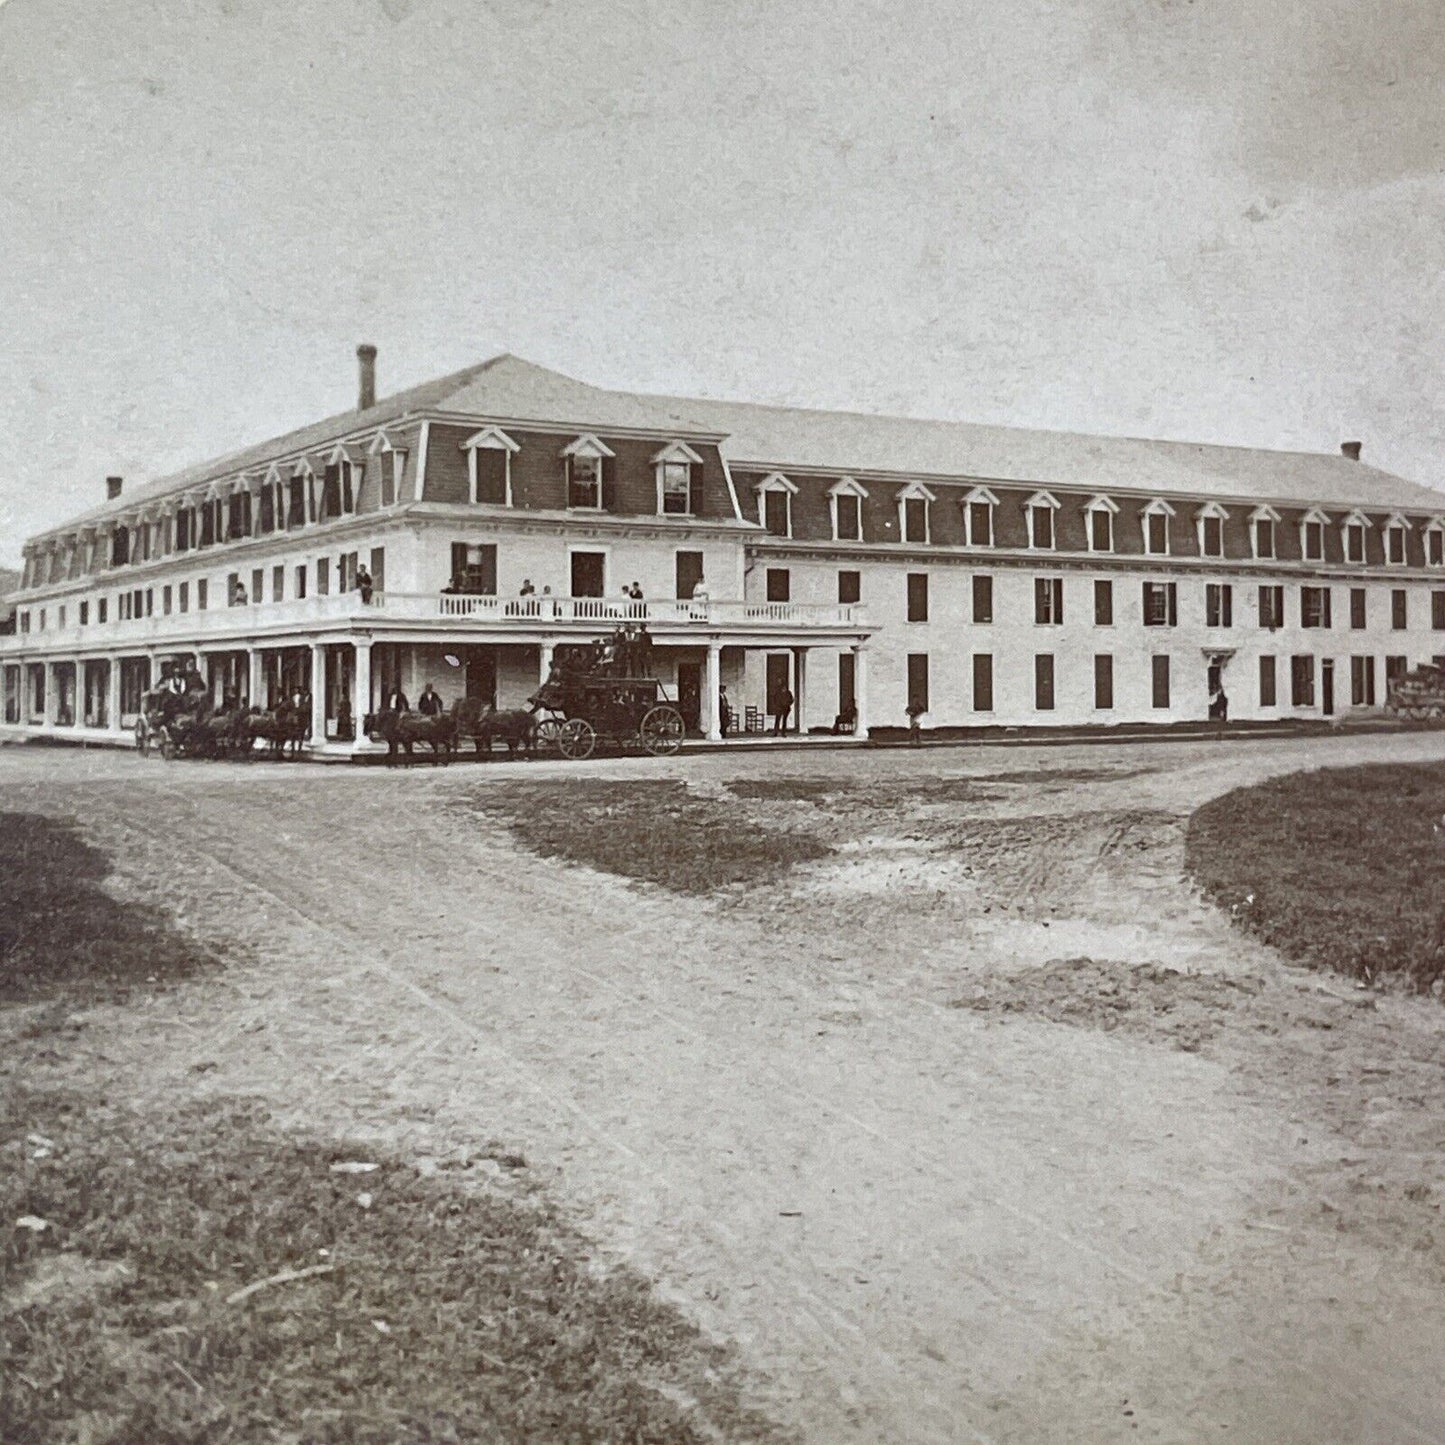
{"type": "Point", "coordinates": [998, 577]}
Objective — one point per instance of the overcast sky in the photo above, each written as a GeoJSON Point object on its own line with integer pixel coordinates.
{"type": "Point", "coordinates": [1206, 219]}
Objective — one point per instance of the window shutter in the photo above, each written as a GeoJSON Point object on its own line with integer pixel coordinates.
{"type": "Point", "coordinates": [459, 563]}
{"type": "Point", "coordinates": [609, 484]}
{"type": "Point", "coordinates": [694, 488]}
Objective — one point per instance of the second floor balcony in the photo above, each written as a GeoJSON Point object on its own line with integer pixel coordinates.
{"type": "Point", "coordinates": [450, 613]}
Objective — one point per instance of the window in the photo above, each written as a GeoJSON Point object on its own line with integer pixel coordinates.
{"type": "Point", "coordinates": [1099, 524]}
{"type": "Point", "coordinates": [687, 572]}
{"type": "Point", "coordinates": [918, 596]}
{"type": "Point", "coordinates": [1312, 535]}
{"type": "Point", "coordinates": [677, 466]}
{"type": "Point", "coordinates": [1161, 604]}
{"type": "Point", "coordinates": [392, 478]}
{"type": "Point", "coordinates": [1435, 545]}
{"type": "Point", "coordinates": [1049, 600]}
{"type": "Point", "coordinates": [323, 576]}
{"type": "Point", "coordinates": [1103, 681]}
{"type": "Point", "coordinates": [378, 570]}
{"type": "Point", "coordinates": [300, 588]}
{"type": "Point", "coordinates": [489, 467]}
{"type": "Point", "coordinates": [338, 486]}
{"type": "Point", "coordinates": [1271, 607]}
{"type": "Point", "coordinates": [1040, 513]}
{"type": "Point", "coordinates": [1263, 534]}
{"type": "Point", "coordinates": [1314, 606]}
{"type": "Point", "coordinates": [1362, 682]}
{"type": "Point", "coordinates": [1268, 693]}
{"type": "Point", "coordinates": [1302, 681]}
{"type": "Point", "coordinates": [296, 509]}
{"type": "Point", "coordinates": [85, 610]}
{"type": "Point", "coordinates": [1437, 611]}
{"type": "Point", "coordinates": [1357, 608]}
{"type": "Point", "coordinates": [1103, 603]}
{"type": "Point", "coordinates": [847, 684]}
{"type": "Point", "coordinates": [1160, 681]}
{"type": "Point", "coordinates": [201, 590]}
{"type": "Point", "coordinates": [1211, 530]}
{"type": "Point", "coordinates": [1399, 609]}
{"type": "Point", "coordinates": [1218, 604]}
{"type": "Point", "coordinates": [918, 680]}
{"type": "Point", "coordinates": [1395, 541]}
{"type": "Point", "coordinates": [474, 569]}
{"type": "Point", "coordinates": [586, 474]}
{"type": "Point", "coordinates": [775, 504]}
{"type": "Point", "coordinates": [1395, 669]}
{"type": "Point", "coordinates": [166, 599]}
{"type": "Point", "coordinates": [913, 502]}
{"type": "Point", "coordinates": [278, 584]}
{"type": "Point", "coordinates": [978, 517]}
{"type": "Point", "coordinates": [1044, 682]}
{"type": "Point", "coordinates": [845, 500]}
{"type": "Point", "coordinates": [1155, 521]}
{"type": "Point", "coordinates": [258, 584]}
{"type": "Point", "coordinates": [183, 600]}
{"type": "Point", "coordinates": [101, 607]}
{"type": "Point", "coordinates": [1354, 528]}
{"type": "Point", "coordinates": [982, 682]}
{"type": "Point", "coordinates": [238, 516]}
{"type": "Point", "coordinates": [779, 584]}
{"type": "Point", "coordinates": [982, 597]}
{"type": "Point", "coordinates": [850, 587]}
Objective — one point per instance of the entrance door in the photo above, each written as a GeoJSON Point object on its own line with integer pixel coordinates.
{"type": "Point", "coordinates": [689, 693]}
{"type": "Point", "coordinates": [779, 677]}
{"type": "Point", "coordinates": [481, 674]}
{"type": "Point", "coordinates": [1327, 686]}
{"type": "Point", "coordinates": [589, 574]}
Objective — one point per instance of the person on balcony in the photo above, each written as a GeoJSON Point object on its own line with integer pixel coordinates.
{"type": "Point", "coordinates": [364, 585]}
{"type": "Point", "coordinates": [429, 704]}
{"type": "Point", "coordinates": [238, 593]}
{"type": "Point", "coordinates": [700, 600]}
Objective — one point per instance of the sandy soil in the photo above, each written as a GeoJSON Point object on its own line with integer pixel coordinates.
{"type": "Point", "coordinates": [983, 1128]}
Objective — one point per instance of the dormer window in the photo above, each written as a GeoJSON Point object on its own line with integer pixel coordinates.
{"type": "Point", "coordinates": [340, 482]}
{"type": "Point", "coordinates": [1435, 543]}
{"type": "Point", "coordinates": [978, 508]}
{"type": "Point", "coordinates": [391, 462]}
{"type": "Point", "coordinates": [238, 514]}
{"type": "Point", "coordinates": [489, 467]}
{"type": "Point", "coordinates": [913, 516]}
{"type": "Point", "coordinates": [845, 501]}
{"type": "Point", "coordinates": [1155, 522]}
{"type": "Point", "coordinates": [1352, 531]}
{"type": "Point", "coordinates": [119, 546]}
{"type": "Point", "coordinates": [1395, 531]}
{"type": "Point", "coordinates": [1099, 524]}
{"type": "Point", "coordinates": [1211, 520]}
{"type": "Point", "coordinates": [300, 504]}
{"type": "Point", "coordinates": [679, 468]}
{"type": "Point", "coordinates": [1039, 510]}
{"type": "Point", "coordinates": [584, 460]}
{"type": "Point", "coordinates": [775, 504]}
{"type": "Point", "coordinates": [1262, 524]}
{"type": "Point", "coordinates": [1312, 535]}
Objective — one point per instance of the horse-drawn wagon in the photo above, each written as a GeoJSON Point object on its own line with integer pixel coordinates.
{"type": "Point", "coordinates": [1419, 695]}
{"type": "Point", "coordinates": [587, 707]}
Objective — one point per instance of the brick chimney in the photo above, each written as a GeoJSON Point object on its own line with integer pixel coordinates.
{"type": "Point", "coordinates": [1351, 450]}
{"type": "Point", "coordinates": [112, 488]}
{"type": "Point", "coordinates": [366, 365]}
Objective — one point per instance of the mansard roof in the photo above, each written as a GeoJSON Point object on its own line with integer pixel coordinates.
{"type": "Point", "coordinates": [506, 389]}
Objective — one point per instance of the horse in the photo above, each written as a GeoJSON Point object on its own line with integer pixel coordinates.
{"type": "Point", "coordinates": [403, 729]}
{"type": "Point", "coordinates": [282, 725]}
{"type": "Point", "coordinates": [516, 727]}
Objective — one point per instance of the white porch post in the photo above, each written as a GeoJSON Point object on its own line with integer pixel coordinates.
{"type": "Point", "coordinates": [860, 691]}
{"type": "Point", "coordinates": [800, 689]}
{"type": "Point", "coordinates": [49, 714]}
{"type": "Point", "coordinates": [544, 661]}
{"type": "Point", "coordinates": [361, 702]}
{"type": "Point", "coordinates": [318, 692]}
{"type": "Point", "coordinates": [711, 682]}
{"type": "Point", "coordinates": [255, 678]}
{"type": "Point", "coordinates": [112, 693]}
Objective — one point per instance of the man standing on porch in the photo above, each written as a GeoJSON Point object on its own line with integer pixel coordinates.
{"type": "Point", "coordinates": [429, 704]}
{"type": "Point", "coordinates": [785, 706]}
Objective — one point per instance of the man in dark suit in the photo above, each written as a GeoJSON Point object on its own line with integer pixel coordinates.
{"type": "Point", "coordinates": [785, 702]}
{"type": "Point", "coordinates": [395, 700]}
{"type": "Point", "coordinates": [429, 704]}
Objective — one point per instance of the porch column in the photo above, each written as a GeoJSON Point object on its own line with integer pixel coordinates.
{"type": "Point", "coordinates": [112, 693]}
{"type": "Point", "coordinates": [544, 664]}
{"type": "Point", "coordinates": [255, 678]}
{"type": "Point", "coordinates": [318, 692]}
{"type": "Point", "coordinates": [50, 713]}
{"type": "Point", "coordinates": [711, 682]}
{"type": "Point", "coordinates": [800, 689]}
{"type": "Point", "coordinates": [860, 691]}
{"type": "Point", "coordinates": [361, 700]}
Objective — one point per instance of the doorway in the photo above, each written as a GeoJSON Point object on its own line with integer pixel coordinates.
{"type": "Point", "coordinates": [689, 573]}
{"type": "Point", "coordinates": [589, 574]}
{"type": "Point", "coordinates": [689, 694]}
{"type": "Point", "coordinates": [780, 673]}
{"type": "Point", "coordinates": [479, 676]}
{"type": "Point", "coordinates": [1327, 686]}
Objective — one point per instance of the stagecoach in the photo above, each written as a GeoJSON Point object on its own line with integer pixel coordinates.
{"type": "Point", "coordinates": [582, 708]}
{"type": "Point", "coordinates": [179, 726]}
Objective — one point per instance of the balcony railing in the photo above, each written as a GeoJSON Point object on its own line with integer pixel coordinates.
{"type": "Point", "coordinates": [585, 615]}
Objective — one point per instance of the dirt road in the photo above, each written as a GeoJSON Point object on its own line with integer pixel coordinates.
{"type": "Point", "coordinates": [911, 1126]}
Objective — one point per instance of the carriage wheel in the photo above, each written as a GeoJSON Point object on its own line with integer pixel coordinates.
{"type": "Point", "coordinates": [576, 739]}
{"type": "Point", "coordinates": [168, 746]}
{"type": "Point", "coordinates": [548, 734]}
{"type": "Point", "coordinates": [661, 730]}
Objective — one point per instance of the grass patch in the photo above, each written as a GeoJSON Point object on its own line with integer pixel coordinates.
{"type": "Point", "coordinates": [448, 1314]}
{"type": "Point", "coordinates": [1338, 869]}
{"type": "Point", "coordinates": [654, 832]}
{"type": "Point", "coordinates": [61, 932]}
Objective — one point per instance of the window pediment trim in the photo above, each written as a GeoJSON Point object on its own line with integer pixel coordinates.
{"type": "Point", "coordinates": [1316, 514]}
{"type": "Point", "coordinates": [494, 439]}
{"type": "Point", "coordinates": [776, 482]}
{"type": "Point", "coordinates": [677, 451]}
{"type": "Point", "coordinates": [588, 445]}
{"type": "Point", "coordinates": [848, 487]}
{"type": "Point", "coordinates": [979, 494]}
{"type": "Point", "coordinates": [1265, 514]}
{"type": "Point", "coordinates": [1101, 503]}
{"type": "Point", "coordinates": [1216, 510]}
{"type": "Point", "coordinates": [916, 492]}
{"type": "Point", "coordinates": [1158, 508]}
{"type": "Point", "coordinates": [1356, 519]}
{"type": "Point", "coordinates": [1043, 499]}
{"type": "Point", "coordinates": [1395, 519]}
